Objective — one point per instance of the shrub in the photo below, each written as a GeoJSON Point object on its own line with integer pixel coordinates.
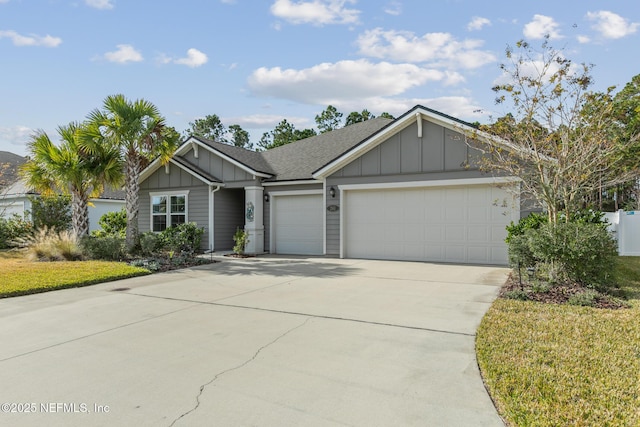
{"type": "Point", "coordinates": [520, 254]}
{"type": "Point", "coordinates": [531, 222]}
{"type": "Point", "coordinates": [51, 212]}
{"type": "Point", "coordinates": [49, 245]}
{"type": "Point", "coordinates": [580, 252]}
{"type": "Point", "coordinates": [517, 294]}
{"type": "Point", "coordinates": [241, 238]}
{"type": "Point", "coordinates": [150, 243]}
{"type": "Point", "coordinates": [586, 298]}
{"type": "Point", "coordinates": [112, 224]}
{"type": "Point", "coordinates": [14, 229]}
{"type": "Point", "coordinates": [585, 216]}
{"type": "Point", "coordinates": [182, 238]}
{"type": "Point", "coordinates": [105, 248]}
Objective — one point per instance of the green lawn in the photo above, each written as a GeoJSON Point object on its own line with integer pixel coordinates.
{"type": "Point", "coordinates": [20, 277]}
{"type": "Point", "coordinates": [553, 365]}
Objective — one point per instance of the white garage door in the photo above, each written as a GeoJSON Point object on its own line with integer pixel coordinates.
{"type": "Point", "coordinates": [440, 224]}
{"type": "Point", "coordinates": [297, 224]}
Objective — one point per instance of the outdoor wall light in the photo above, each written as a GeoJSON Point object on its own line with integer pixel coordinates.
{"type": "Point", "coordinates": [332, 192]}
{"type": "Point", "coordinates": [266, 198]}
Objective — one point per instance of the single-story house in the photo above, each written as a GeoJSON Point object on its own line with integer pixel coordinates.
{"type": "Point", "coordinates": [403, 189]}
{"type": "Point", "coordinates": [16, 199]}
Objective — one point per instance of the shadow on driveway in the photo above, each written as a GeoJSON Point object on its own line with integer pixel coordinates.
{"type": "Point", "coordinates": [275, 266]}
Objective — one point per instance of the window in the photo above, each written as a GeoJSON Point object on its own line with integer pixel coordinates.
{"type": "Point", "coordinates": [168, 210]}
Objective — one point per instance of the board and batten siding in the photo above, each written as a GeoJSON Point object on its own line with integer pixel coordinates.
{"type": "Point", "coordinates": [441, 154]}
{"type": "Point", "coordinates": [176, 181]}
{"type": "Point", "coordinates": [217, 166]}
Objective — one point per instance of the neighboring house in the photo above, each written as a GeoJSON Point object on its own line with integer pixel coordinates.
{"type": "Point", "coordinates": [16, 200]}
{"type": "Point", "coordinates": [404, 189]}
{"type": "Point", "coordinates": [9, 164]}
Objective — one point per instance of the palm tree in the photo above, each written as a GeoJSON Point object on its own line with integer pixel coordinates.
{"type": "Point", "coordinates": [139, 131]}
{"type": "Point", "coordinates": [70, 169]}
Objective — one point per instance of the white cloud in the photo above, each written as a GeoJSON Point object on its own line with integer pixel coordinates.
{"type": "Point", "coordinates": [316, 12]}
{"type": "Point", "coordinates": [194, 58]}
{"type": "Point", "coordinates": [458, 106]}
{"type": "Point", "coordinates": [125, 53]}
{"type": "Point", "coordinates": [583, 39]}
{"type": "Point", "coordinates": [537, 69]}
{"type": "Point", "coordinates": [99, 4]}
{"type": "Point", "coordinates": [262, 121]}
{"type": "Point", "coordinates": [328, 83]}
{"type": "Point", "coordinates": [30, 40]}
{"type": "Point", "coordinates": [436, 48]}
{"type": "Point", "coordinates": [15, 135]}
{"type": "Point", "coordinates": [611, 25]}
{"type": "Point", "coordinates": [4, 1]}
{"type": "Point", "coordinates": [542, 26]}
{"type": "Point", "coordinates": [393, 8]}
{"type": "Point", "coordinates": [477, 22]}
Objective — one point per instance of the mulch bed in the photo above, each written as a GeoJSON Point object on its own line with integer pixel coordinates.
{"type": "Point", "coordinates": [557, 294]}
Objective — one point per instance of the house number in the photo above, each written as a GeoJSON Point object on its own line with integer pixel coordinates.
{"type": "Point", "coordinates": [333, 208]}
{"type": "Point", "coordinates": [250, 211]}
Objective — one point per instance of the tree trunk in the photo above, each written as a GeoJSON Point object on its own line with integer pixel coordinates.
{"type": "Point", "coordinates": [80, 214]}
{"type": "Point", "coordinates": [132, 188]}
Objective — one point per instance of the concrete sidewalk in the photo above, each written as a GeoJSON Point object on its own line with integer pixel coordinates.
{"type": "Point", "coordinates": [264, 341]}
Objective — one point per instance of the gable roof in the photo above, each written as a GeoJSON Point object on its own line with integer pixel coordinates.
{"type": "Point", "coordinates": [198, 172]}
{"type": "Point", "coordinates": [414, 115]}
{"type": "Point", "coordinates": [318, 156]}
{"type": "Point", "coordinates": [252, 160]}
{"type": "Point", "coordinates": [291, 162]}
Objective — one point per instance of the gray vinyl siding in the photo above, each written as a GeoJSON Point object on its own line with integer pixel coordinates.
{"type": "Point", "coordinates": [176, 181]}
{"type": "Point", "coordinates": [217, 166]}
{"type": "Point", "coordinates": [266, 212]}
{"type": "Point", "coordinates": [439, 150]}
{"type": "Point", "coordinates": [177, 177]}
{"type": "Point", "coordinates": [441, 154]}
{"type": "Point", "coordinates": [228, 207]}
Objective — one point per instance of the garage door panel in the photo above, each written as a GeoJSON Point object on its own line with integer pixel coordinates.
{"type": "Point", "coordinates": [454, 233]}
{"type": "Point", "coordinates": [441, 224]}
{"type": "Point", "coordinates": [478, 254]}
{"type": "Point", "coordinates": [297, 227]}
{"type": "Point", "coordinates": [454, 253]}
{"type": "Point", "coordinates": [478, 234]}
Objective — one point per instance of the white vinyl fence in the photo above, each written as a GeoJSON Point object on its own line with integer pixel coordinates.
{"type": "Point", "coordinates": [625, 226]}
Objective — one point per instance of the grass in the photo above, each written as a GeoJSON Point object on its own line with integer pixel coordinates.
{"type": "Point", "coordinates": [21, 277]}
{"type": "Point", "coordinates": [551, 365]}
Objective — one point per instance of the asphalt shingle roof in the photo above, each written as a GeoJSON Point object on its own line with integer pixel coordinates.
{"type": "Point", "coordinates": [9, 164]}
{"type": "Point", "coordinates": [298, 160]}
{"type": "Point", "coordinates": [251, 159]}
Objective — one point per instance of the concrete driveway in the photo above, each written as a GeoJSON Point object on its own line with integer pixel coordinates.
{"type": "Point", "coordinates": [265, 341]}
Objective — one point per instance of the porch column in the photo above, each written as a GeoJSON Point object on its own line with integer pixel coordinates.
{"type": "Point", "coordinates": [253, 219]}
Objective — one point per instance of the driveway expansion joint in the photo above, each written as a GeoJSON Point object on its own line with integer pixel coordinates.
{"type": "Point", "coordinates": [317, 316]}
{"type": "Point", "coordinates": [235, 368]}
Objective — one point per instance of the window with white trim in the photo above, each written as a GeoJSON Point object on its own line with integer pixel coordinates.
{"type": "Point", "coordinates": [168, 210]}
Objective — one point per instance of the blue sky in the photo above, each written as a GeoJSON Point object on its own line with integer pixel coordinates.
{"type": "Point", "coordinates": [256, 62]}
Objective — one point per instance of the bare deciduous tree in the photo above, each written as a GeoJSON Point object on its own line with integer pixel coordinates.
{"type": "Point", "coordinates": [559, 139]}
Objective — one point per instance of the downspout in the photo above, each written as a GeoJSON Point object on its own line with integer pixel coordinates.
{"type": "Point", "coordinates": [211, 217]}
